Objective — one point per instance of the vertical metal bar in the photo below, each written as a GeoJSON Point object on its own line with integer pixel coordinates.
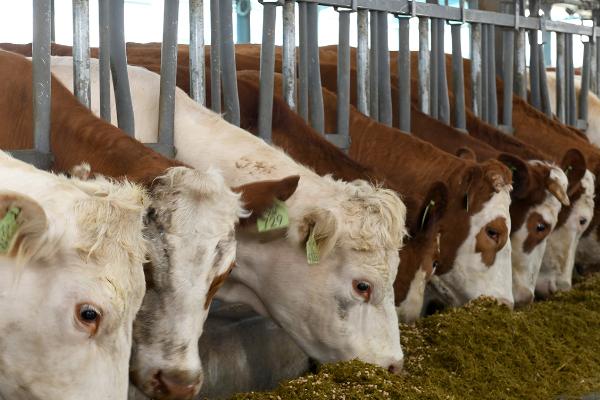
{"type": "Point", "coordinates": [458, 84]}
{"type": "Point", "coordinates": [343, 78]}
{"type": "Point", "coordinates": [81, 51]}
{"type": "Point", "coordinates": [242, 10]}
{"type": "Point", "coordinates": [383, 53]}
{"type": "Point", "coordinates": [41, 79]}
{"type": "Point", "coordinates": [424, 64]}
{"type": "Point", "coordinates": [374, 68]}
{"type": "Point", "coordinates": [593, 68]}
{"type": "Point", "coordinates": [118, 66]}
{"type": "Point", "coordinates": [303, 64]}
{"type": "Point", "coordinates": [492, 97]}
{"type": "Point", "coordinates": [597, 65]}
{"type": "Point", "coordinates": [534, 71]}
{"type": "Point", "coordinates": [520, 65]}
{"type": "Point", "coordinates": [433, 71]}
{"type": "Point", "coordinates": [104, 59]}
{"type": "Point", "coordinates": [230, 91]}
{"type": "Point", "coordinates": [561, 93]}
{"type": "Point", "coordinates": [215, 56]}
{"type": "Point", "coordinates": [484, 72]}
{"type": "Point", "coordinates": [508, 52]}
{"type": "Point", "coordinates": [315, 94]}
{"type": "Point", "coordinates": [444, 101]}
{"type": "Point", "coordinates": [168, 76]}
{"type": "Point", "coordinates": [53, 22]}
{"type": "Point", "coordinates": [404, 100]}
{"type": "Point", "coordinates": [197, 66]}
{"type": "Point", "coordinates": [289, 54]}
{"type": "Point", "coordinates": [476, 69]}
{"type": "Point", "coordinates": [267, 70]}
{"type": "Point", "coordinates": [585, 82]}
{"type": "Point", "coordinates": [571, 100]}
{"type": "Point", "coordinates": [362, 61]}
{"type": "Point", "coordinates": [545, 96]}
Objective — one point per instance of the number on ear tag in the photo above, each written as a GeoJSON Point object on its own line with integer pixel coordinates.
{"type": "Point", "coordinates": [8, 228]}
{"type": "Point", "coordinates": [275, 217]}
{"type": "Point", "coordinates": [312, 249]}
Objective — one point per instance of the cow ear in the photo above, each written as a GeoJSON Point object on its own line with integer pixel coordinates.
{"type": "Point", "coordinates": [521, 174]}
{"type": "Point", "coordinates": [466, 154]}
{"type": "Point", "coordinates": [433, 207]}
{"type": "Point", "coordinates": [574, 166]}
{"type": "Point", "coordinates": [22, 223]}
{"type": "Point", "coordinates": [318, 233]}
{"type": "Point", "coordinates": [257, 197]}
{"type": "Point", "coordinates": [472, 175]}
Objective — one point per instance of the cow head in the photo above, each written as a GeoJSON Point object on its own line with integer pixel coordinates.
{"type": "Point", "coordinates": [476, 261]}
{"type": "Point", "coordinates": [329, 281]}
{"type": "Point", "coordinates": [420, 256]}
{"type": "Point", "coordinates": [71, 283]}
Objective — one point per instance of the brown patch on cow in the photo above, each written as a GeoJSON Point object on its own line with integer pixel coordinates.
{"type": "Point", "coordinates": [491, 239]}
{"type": "Point", "coordinates": [535, 236]}
{"type": "Point", "coordinates": [216, 284]}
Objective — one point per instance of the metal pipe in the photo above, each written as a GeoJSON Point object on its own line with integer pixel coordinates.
{"type": "Point", "coordinates": [492, 92]}
{"type": "Point", "coordinates": [561, 92]}
{"type": "Point", "coordinates": [593, 67]}
{"type": "Point", "coordinates": [315, 94]}
{"type": "Point", "coordinates": [484, 73]}
{"type": "Point", "coordinates": [104, 59]}
{"type": "Point", "coordinates": [242, 10]}
{"type": "Point", "coordinates": [508, 54]}
{"type": "Point", "coordinates": [404, 100]}
{"type": "Point", "coordinates": [458, 83]}
{"type": "Point", "coordinates": [267, 71]}
{"type": "Point", "coordinates": [383, 53]}
{"type": "Point", "coordinates": [118, 67]}
{"type": "Point", "coordinates": [585, 82]}
{"type": "Point", "coordinates": [433, 70]}
{"type": "Point", "coordinates": [41, 78]}
{"type": "Point", "coordinates": [476, 69]}
{"type": "Point", "coordinates": [597, 64]}
{"type": "Point", "coordinates": [303, 64]}
{"type": "Point", "coordinates": [53, 22]}
{"type": "Point", "coordinates": [520, 63]}
{"type": "Point", "coordinates": [81, 51]}
{"type": "Point", "coordinates": [444, 101]}
{"type": "Point", "coordinates": [374, 68]}
{"type": "Point", "coordinates": [424, 65]}
{"type": "Point", "coordinates": [197, 66]}
{"type": "Point", "coordinates": [215, 56]}
{"type": "Point", "coordinates": [545, 96]}
{"type": "Point", "coordinates": [289, 54]}
{"type": "Point", "coordinates": [343, 78]}
{"type": "Point", "coordinates": [362, 61]}
{"type": "Point", "coordinates": [534, 71]}
{"type": "Point", "coordinates": [168, 77]}
{"type": "Point", "coordinates": [572, 99]}
{"type": "Point", "coordinates": [230, 91]}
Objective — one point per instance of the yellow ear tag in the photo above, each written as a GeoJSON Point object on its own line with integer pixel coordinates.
{"type": "Point", "coordinates": [312, 249]}
{"type": "Point", "coordinates": [8, 228]}
{"type": "Point", "coordinates": [431, 204]}
{"type": "Point", "coordinates": [275, 217]}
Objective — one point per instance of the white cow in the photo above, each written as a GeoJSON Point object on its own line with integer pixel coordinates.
{"type": "Point", "coordinates": [71, 282]}
{"type": "Point", "coordinates": [339, 308]}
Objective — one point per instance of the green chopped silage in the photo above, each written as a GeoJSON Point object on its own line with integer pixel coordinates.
{"type": "Point", "coordinates": [481, 351]}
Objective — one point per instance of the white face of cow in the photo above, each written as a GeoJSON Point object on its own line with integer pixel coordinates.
{"type": "Point", "coordinates": [559, 259]}
{"type": "Point", "coordinates": [70, 287]}
{"type": "Point", "coordinates": [342, 307]}
{"type": "Point", "coordinates": [470, 276]}
{"type": "Point", "coordinates": [529, 242]}
{"type": "Point", "coordinates": [190, 226]}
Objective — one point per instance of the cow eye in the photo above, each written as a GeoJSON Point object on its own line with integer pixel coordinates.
{"type": "Point", "coordinates": [363, 289]}
{"type": "Point", "coordinates": [88, 318]}
{"type": "Point", "coordinates": [582, 221]}
{"type": "Point", "coordinates": [540, 227]}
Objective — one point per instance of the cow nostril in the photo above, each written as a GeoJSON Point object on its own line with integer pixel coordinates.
{"type": "Point", "coordinates": [396, 368]}
{"type": "Point", "coordinates": [179, 385]}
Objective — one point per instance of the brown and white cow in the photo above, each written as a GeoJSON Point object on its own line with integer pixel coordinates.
{"type": "Point", "coordinates": [71, 283]}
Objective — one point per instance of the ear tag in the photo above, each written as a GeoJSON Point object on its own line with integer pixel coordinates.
{"type": "Point", "coordinates": [8, 228]}
{"type": "Point", "coordinates": [274, 218]}
{"type": "Point", "coordinates": [312, 249]}
{"type": "Point", "coordinates": [431, 204]}
{"type": "Point", "coordinates": [568, 169]}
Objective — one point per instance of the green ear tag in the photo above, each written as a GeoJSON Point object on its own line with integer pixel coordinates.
{"type": "Point", "coordinates": [431, 204]}
{"type": "Point", "coordinates": [275, 217]}
{"type": "Point", "coordinates": [8, 228]}
{"type": "Point", "coordinates": [312, 249]}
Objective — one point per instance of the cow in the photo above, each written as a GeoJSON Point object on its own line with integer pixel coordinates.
{"type": "Point", "coordinates": [190, 225]}
{"type": "Point", "coordinates": [71, 283]}
{"type": "Point", "coordinates": [341, 247]}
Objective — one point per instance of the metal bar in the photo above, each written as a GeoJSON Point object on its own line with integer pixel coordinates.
{"type": "Point", "coordinates": [374, 68]}
{"type": "Point", "coordinates": [215, 56]}
{"type": "Point", "coordinates": [458, 84]}
{"type": "Point", "coordinates": [597, 64]}
{"type": "Point", "coordinates": [104, 59]}
{"type": "Point", "coordinates": [492, 97]}
{"type": "Point", "coordinates": [303, 64]}
{"type": "Point", "coordinates": [534, 71]}
{"type": "Point", "coordinates": [53, 22]}
{"type": "Point", "coordinates": [404, 100]}
{"type": "Point", "coordinates": [476, 69]}
{"type": "Point", "coordinates": [520, 65]}
{"type": "Point", "coordinates": [41, 78]}
{"type": "Point", "coordinates": [118, 67]}
{"type": "Point", "coordinates": [545, 96]}
{"type": "Point", "coordinates": [230, 91]}
{"type": "Point", "coordinates": [315, 94]}
{"type": "Point", "coordinates": [168, 75]}
{"type": "Point", "coordinates": [343, 78]}
{"type": "Point", "coordinates": [197, 66]}
{"type": "Point", "coordinates": [484, 72]}
{"type": "Point", "coordinates": [81, 51]}
{"type": "Point", "coordinates": [571, 100]}
{"type": "Point", "coordinates": [593, 68]}
{"type": "Point", "coordinates": [385, 91]}
{"type": "Point", "coordinates": [267, 71]}
{"type": "Point", "coordinates": [362, 61]}
{"type": "Point", "coordinates": [242, 10]}
{"type": "Point", "coordinates": [433, 71]}
{"type": "Point", "coordinates": [561, 92]}
{"type": "Point", "coordinates": [444, 101]}
{"type": "Point", "coordinates": [424, 65]}
{"type": "Point", "coordinates": [508, 54]}
{"type": "Point", "coordinates": [585, 82]}
{"type": "Point", "coordinates": [289, 54]}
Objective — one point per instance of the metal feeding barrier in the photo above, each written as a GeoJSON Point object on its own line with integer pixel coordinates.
{"type": "Point", "coordinates": [300, 65]}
